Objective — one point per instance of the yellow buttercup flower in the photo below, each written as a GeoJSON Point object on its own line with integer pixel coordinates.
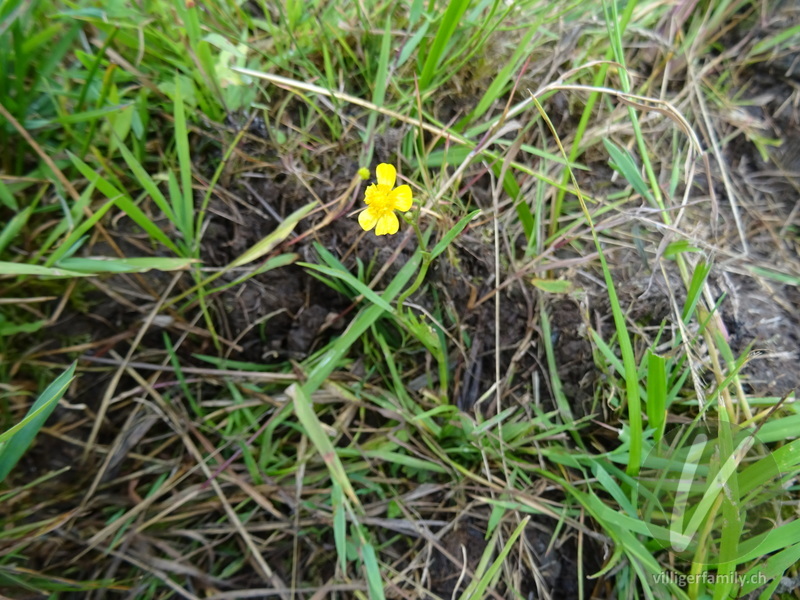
{"type": "Point", "coordinates": [382, 201]}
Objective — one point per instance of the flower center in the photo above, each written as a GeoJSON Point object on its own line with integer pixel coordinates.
{"type": "Point", "coordinates": [379, 200]}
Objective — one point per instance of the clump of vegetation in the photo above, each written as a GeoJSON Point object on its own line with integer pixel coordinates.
{"type": "Point", "coordinates": [563, 368]}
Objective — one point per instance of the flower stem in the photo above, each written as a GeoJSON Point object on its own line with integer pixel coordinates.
{"type": "Point", "coordinates": [426, 261]}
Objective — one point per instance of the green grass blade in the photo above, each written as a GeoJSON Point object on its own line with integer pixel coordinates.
{"type": "Point", "coordinates": [656, 394]}
{"type": "Point", "coordinates": [447, 26]}
{"type": "Point", "coordinates": [379, 92]}
{"type": "Point", "coordinates": [124, 202]}
{"type": "Point", "coordinates": [147, 183]}
{"type": "Point", "coordinates": [477, 588]}
{"type": "Point", "coordinates": [7, 198]}
{"type": "Point", "coordinates": [695, 289]}
{"type": "Point", "coordinates": [624, 163]}
{"type": "Point", "coordinates": [183, 203]}
{"type": "Point", "coordinates": [18, 438]}
{"type": "Point", "coordinates": [16, 269]}
{"type": "Point", "coordinates": [13, 227]}
{"type": "Point", "coordinates": [101, 264]}
{"type": "Point", "coordinates": [372, 571]}
{"type": "Point", "coordinates": [452, 234]}
{"type": "Point", "coordinates": [304, 409]}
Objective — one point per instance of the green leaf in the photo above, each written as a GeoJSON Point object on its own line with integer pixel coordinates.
{"type": "Point", "coordinates": [102, 264]}
{"type": "Point", "coordinates": [15, 269]}
{"type": "Point", "coordinates": [695, 289]}
{"type": "Point", "coordinates": [624, 163]}
{"type": "Point", "coordinates": [269, 242]}
{"type": "Point", "coordinates": [124, 202]}
{"type": "Point", "coordinates": [7, 328]}
{"type": "Point", "coordinates": [16, 440]}
{"type": "Point", "coordinates": [14, 226]}
{"type": "Point", "coordinates": [452, 234]}
{"type": "Point", "coordinates": [450, 19]}
{"type": "Point", "coordinates": [477, 589]}
{"type": "Point", "coordinates": [150, 186]}
{"type": "Point", "coordinates": [552, 286]}
{"type": "Point", "coordinates": [339, 525]}
{"type": "Point", "coordinates": [183, 203]}
{"type": "Point", "coordinates": [6, 197]}
{"type": "Point", "coordinates": [304, 409]}
{"type": "Point", "coordinates": [373, 572]}
{"type": "Point", "coordinates": [656, 394]}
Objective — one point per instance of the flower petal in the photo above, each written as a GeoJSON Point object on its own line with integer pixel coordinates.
{"type": "Point", "coordinates": [401, 198]}
{"type": "Point", "coordinates": [386, 174]}
{"type": "Point", "coordinates": [367, 219]}
{"type": "Point", "coordinates": [370, 193]}
{"type": "Point", "coordinates": [388, 223]}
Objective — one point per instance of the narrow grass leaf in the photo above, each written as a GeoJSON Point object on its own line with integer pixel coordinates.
{"type": "Point", "coordinates": [771, 569]}
{"type": "Point", "coordinates": [379, 92]}
{"type": "Point", "coordinates": [784, 278]}
{"type": "Point", "coordinates": [552, 286]}
{"type": "Point", "coordinates": [124, 202]}
{"type": "Point", "coordinates": [304, 410]}
{"type": "Point", "coordinates": [7, 198]}
{"type": "Point", "coordinates": [372, 571]}
{"type": "Point", "coordinates": [656, 394]}
{"type": "Point", "coordinates": [624, 163]}
{"type": "Point", "coordinates": [699, 276]}
{"type": "Point", "coordinates": [499, 82]}
{"type": "Point", "coordinates": [358, 326]}
{"type": "Point", "coordinates": [477, 589]}
{"type": "Point", "coordinates": [269, 242]}
{"type": "Point", "coordinates": [183, 203]}
{"type": "Point", "coordinates": [275, 262]}
{"type": "Point", "coordinates": [103, 264]}
{"type": "Point", "coordinates": [14, 226]}
{"type": "Point", "coordinates": [772, 41]}
{"type": "Point", "coordinates": [18, 438]}
{"type": "Point", "coordinates": [72, 119]}
{"type": "Point", "coordinates": [339, 525]}
{"type": "Point", "coordinates": [555, 382]}
{"type": "Point", "coordinates": [147, 183]}
{"type": "Point", "coordinates": [68, 245]}
{"type": "Point", "coordinates": [14, 269]}
{"type": "Point", "coordinates": [7, 329]}
{"type": "Point", "coordinates": [447, 26]}
{"type": "Point", "coordinates": [453, 234]}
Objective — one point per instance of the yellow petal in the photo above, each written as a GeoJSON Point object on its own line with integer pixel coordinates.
{"type": "Point", "coordinates": [388, 223]}
{"type": "Point", "coordinates": [386, 174]}
{"type": "Point", "coordinates": [401, 198]}
{"type": "Point", "coordinates": [367, 219]}
{"type": "Point", "coordinates": [370, 192]}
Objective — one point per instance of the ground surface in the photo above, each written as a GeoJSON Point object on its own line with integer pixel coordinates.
{"type": "Point", "coordinates": [271, 433]}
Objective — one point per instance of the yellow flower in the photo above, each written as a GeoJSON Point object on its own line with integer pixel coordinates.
{"type": "Point", "coordinates": [363, 173]}
{"type": "Point", "coordinates": [382, 201]}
